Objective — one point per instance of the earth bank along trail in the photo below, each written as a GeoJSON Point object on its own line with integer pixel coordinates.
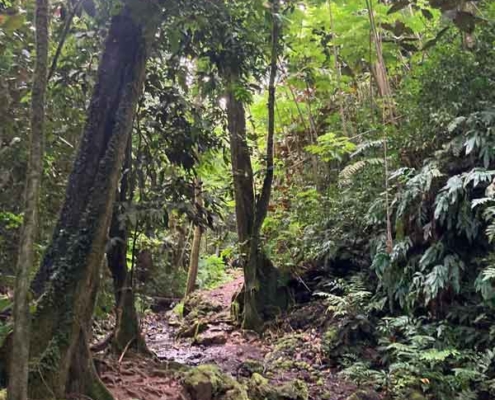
{"type": "Point", "coordinates": [290, 352]}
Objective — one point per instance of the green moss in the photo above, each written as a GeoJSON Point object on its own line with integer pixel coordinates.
{"type": "Point", "coordinates": [295, 390]}
{"type": "Point", "coordinates": [207, 381]}
{"type": "Point", "coordinates": [260, 388]}
{"type": "Point", "coordinates": [331, 337]}
{"type": "Point", "coordinates": [235, 310]}
{"type": "Point", "coordinates": [193, 329]}
{"type": "Point", "coordinates": [251, 367]}
{"type": "Point", "coordinates": [99, 391]}
{"type": "Point", "coordinates": [179, 309]}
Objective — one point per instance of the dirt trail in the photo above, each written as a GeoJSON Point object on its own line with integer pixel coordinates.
{"type": "Point", "coordinates": [284, 353]}
{"type": "Point", "coordinates": [224, 346]}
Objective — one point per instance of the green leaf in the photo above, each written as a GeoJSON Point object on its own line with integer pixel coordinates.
{"type": "Point", "coordinates": [433, 42]}
{"type": "Point", "coordinates": [398, 5]}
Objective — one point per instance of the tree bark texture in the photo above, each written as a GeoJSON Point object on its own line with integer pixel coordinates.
{"type": "Point", "coordinates": [102, 117]}
{"type": "Point", "coordinates": [196, 243]}
{"type": "Point", "coordinates": [127, 328]}
{"type": "Point", "coordinates": [18, 377]}
{"type": "Point", "coordinates": [61, 359]}
{"type": "Point", "coordinates": [242, 170]}
{"type": "Point", "coordinates": [260, 292]}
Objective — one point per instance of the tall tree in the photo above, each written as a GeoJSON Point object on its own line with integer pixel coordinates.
{"type": "Point", "coordinates": [260, 276]}
{"type": "Point", "coordinates": [18, 378]}
{"type": "Point", "coordinates": [61, 359]}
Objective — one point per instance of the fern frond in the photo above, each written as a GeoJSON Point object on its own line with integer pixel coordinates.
{"type": "Point", "coordinates": [481, 201]}
{"type": "Point", "coordinates": [361, 148]}
{"type": "Point", "coordinates": [349, 171]}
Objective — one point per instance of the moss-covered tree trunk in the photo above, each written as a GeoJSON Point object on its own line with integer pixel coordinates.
{"type": "Point", "coordinates": [60, 358]}
{"type": "Point", "coordinates": [127, 331]}
{"type": "Point", "coordinates": [18, 377]}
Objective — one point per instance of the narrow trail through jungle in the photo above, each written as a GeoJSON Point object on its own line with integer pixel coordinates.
{"type": "Point", "coordinates": [288, 352]}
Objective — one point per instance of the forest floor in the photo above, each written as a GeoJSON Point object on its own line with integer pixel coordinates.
{"type": "Point", "coordinates": [289, 351]}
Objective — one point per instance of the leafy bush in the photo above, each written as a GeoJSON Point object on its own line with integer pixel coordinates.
{"type": "Point", "coordinates": [211, 272]}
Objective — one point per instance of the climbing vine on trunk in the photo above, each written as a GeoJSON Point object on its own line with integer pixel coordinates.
{"type": "Point", "coordinates": [18, 379]}
{"type": "Point", "coordinates": [59, 353]}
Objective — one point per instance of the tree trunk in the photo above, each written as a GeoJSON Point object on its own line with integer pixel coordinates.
{"type": "Point", "coordinates": [59, 353]}
{"type": "Point", "coordinates": [18, 377]}
{"type": "Point", "coordinates": [4, 115]}
{"type": "Point", "coordinates": [196, 244]}
{"type": "Point", "coordinates": [244, 202]}
{"type": "Point", "coordinates": [93, 144]}
{"type": "Point", "coordinates": [127, 328]}
{"type": "Point", "coordinates": [242, 170]}
{"type": "Point", "coordinates": [260, 292]}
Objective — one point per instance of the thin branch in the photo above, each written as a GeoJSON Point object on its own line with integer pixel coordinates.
{"type": "Point", "coordinates": [63, 37]}
{"type": "Point", "coordinates": [337, 70]}
{"type": "Point", "coordinates": [262, 204]}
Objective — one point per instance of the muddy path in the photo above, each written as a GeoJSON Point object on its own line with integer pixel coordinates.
{"type": "Point", "coordinates": [221, 343]}
{"type": "Point", "coordinates": [289, 350]}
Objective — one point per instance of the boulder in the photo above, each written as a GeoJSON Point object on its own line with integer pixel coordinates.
{"type": "Point", "coordinates": [211, 338]}
{"type": "Point", "coordinates": [259, 388]}
{"type": "Point", "coordinates": [199, 305]}
{"type": "Point", "coordinates": [192, 329]}
{"type": "Point", "coordinates": [207, 382]}
{"type": "Point", "coordinates": [199, 385]}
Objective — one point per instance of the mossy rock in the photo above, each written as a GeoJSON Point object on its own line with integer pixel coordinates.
{"type": "Point", "coordinates": [192, 328]}
{"type": "Point", "coordinates": [199, 305]}
{"type": "Point", "coordinates": [282, 357]}
{"type": "Point", "coordinates": [364, 395]}
{"type": "Point", "coordinates": [294, 390]}
{"type": "Point", "coordinates": [207, 382]}
{"type": "Point", "coordinates": [259, 388]}
{"type": "Point", "coordinates": [249, 367]}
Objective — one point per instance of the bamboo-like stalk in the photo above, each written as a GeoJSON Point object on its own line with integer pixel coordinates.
{"type": "Point", "coordinates": [388, 111]}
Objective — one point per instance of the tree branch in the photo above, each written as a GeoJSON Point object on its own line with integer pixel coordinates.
{"type": "Point", "coordinates": [264, 199]}
{"type": "Point", "coordinates": [63, 37]}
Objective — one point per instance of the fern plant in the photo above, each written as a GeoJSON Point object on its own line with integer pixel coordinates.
{"type": "Point", "coordinates": [437, 211]}
{"type": "Point", "coordinates": [368, 158]}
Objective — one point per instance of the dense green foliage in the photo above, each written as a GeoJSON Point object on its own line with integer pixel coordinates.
{"type": "Point", "coordinates": [391, 197]}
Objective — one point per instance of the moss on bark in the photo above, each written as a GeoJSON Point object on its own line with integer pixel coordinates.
{"type": "Point", "coordinates": [127, 329]}
{"type": "Point", "coordinates": [60, 358]}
